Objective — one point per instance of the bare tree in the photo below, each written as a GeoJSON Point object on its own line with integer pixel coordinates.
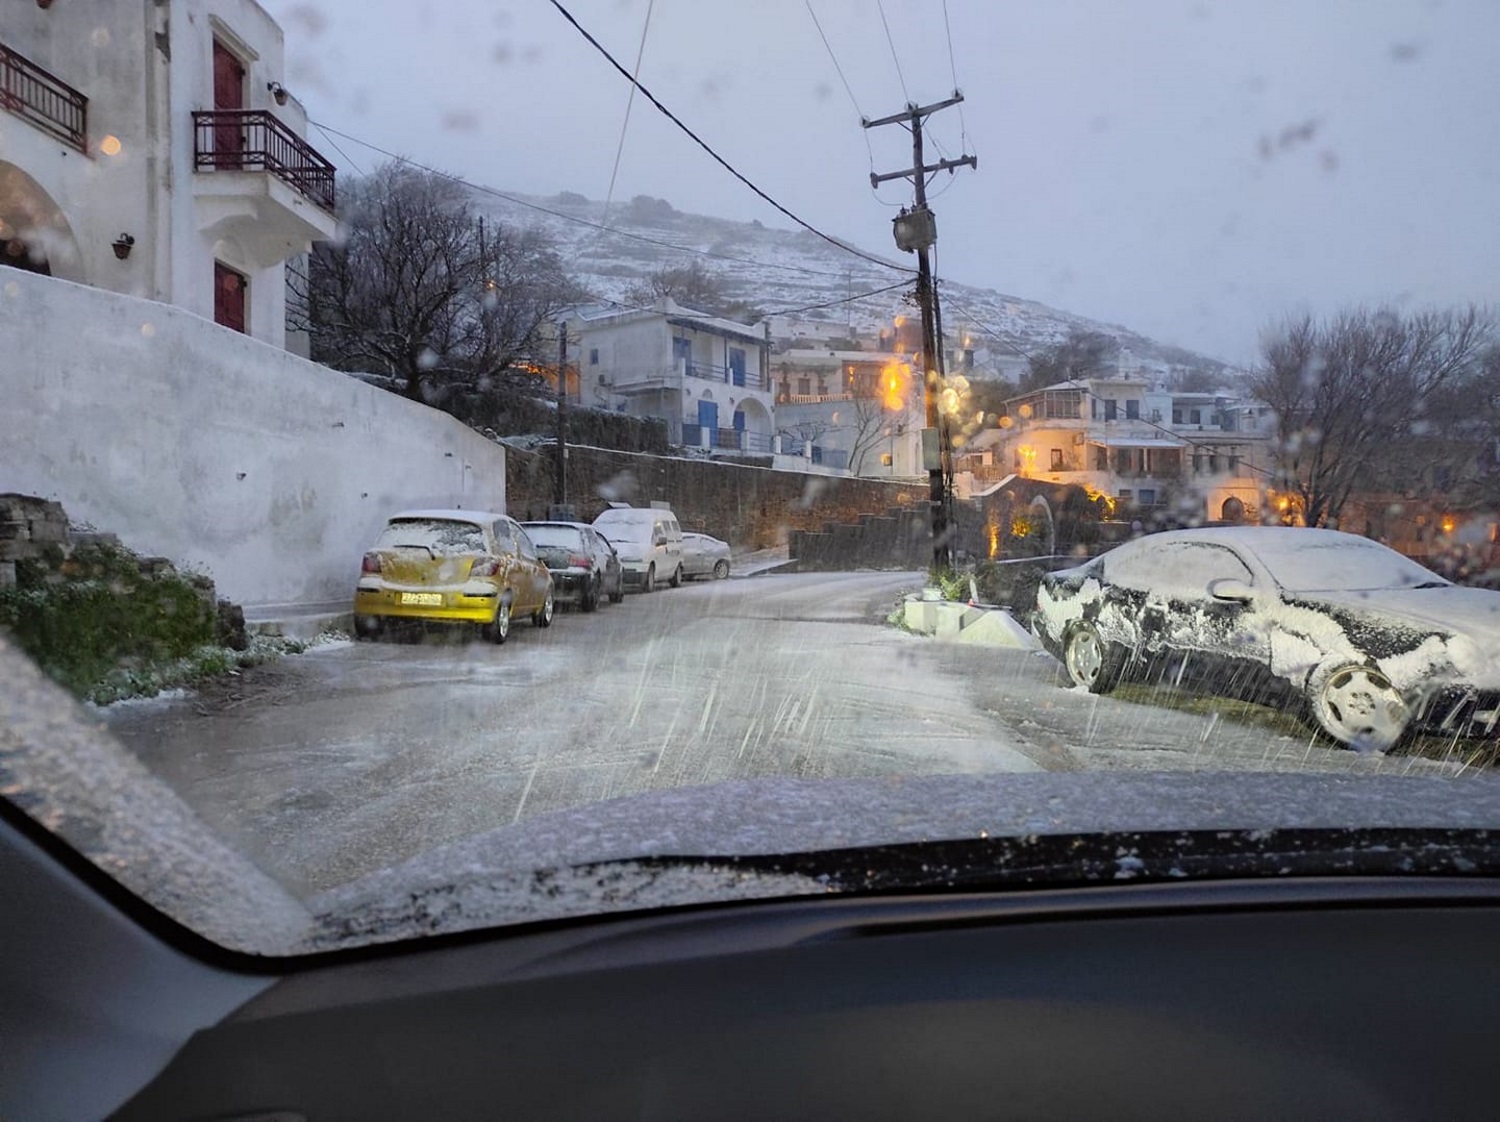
{"type": "Point", "coordinates": [693, 286]}
{"type": "Point", "coordinates": [423, 290]}
{"type": "Point", "coordinates": [1350, 394]}
{"type": "Point", "coordinates": [1083, 354]}
{"type": "Point", "coordinates": [871, 423]}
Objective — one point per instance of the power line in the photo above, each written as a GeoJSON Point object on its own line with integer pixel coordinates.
{"type": "Point", "coordinates": [963, 128]}
{"type": "Point", "coordinates": [858, 112]}
{"type": "Point", "coordinates": [625, 124]}
{"type": "Point", "coordinates": [615, 231]}
{"type": "Point", "coordinates": [348, 159]}
{"type": "Point", "coordinates": [881, 6]}
{"type": "Point", "coordinates": [725, 164]}
{"type": "Point", "coordinates": [840, 300]}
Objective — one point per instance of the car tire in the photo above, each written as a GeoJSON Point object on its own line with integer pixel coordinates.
{"type": "Point", "coordinates": [367, 627]}
{"type": "Point", "coordinates": [676, 581]}
{"type": "Point", "coordinates": [542, 617]}
{"type": "Point", "coordinates": [498, 629]}
{"type": "Point", "coordinates": [721, 569]}
{"type": "Point", "coordinates": [618, 594]}
{"type": "Point", "coordinates": [590, 600]}
{"type": "Point", "coordinates": [1091, 662]}
{"type": "Point", "coordinates": [649, 585]}
{"type": "Point", "coordinates": [1358, 706]}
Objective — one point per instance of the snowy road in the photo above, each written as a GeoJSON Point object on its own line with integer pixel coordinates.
{"type": "Point", "coordinates": [325, 766]}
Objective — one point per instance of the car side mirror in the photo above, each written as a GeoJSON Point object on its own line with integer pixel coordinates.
{"type": "Point", "coordinates": [1232, 590]}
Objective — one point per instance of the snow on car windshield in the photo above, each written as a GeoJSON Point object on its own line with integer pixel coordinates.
{"type": "Point", "coordinates": [440, 535]}
{"type": "Point", "coordinates": [560, 537]}
{"type": "Point", "coordinates": [1316, 563]}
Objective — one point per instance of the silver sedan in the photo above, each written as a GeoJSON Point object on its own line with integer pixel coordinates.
{"type": "Point", "coordinates": [703, 556]}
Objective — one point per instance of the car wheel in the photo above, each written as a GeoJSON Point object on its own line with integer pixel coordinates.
{"type": "Point", "coordinates": [590, 600]}
{"type": "Point", "coordinates": [721, 569]}
{"type": "Point", "coordinates": [1357, 705]}
{"type": "Point", "coordinates": [676, 581]}
{"type": "Point", "coordinates": [650, 584]}
{"type": "Point", "coordinates": [1090, 661]}
{"type": "Point", "coordinates": [543, 616]}
{"type": "Point", "coordinates": [499, 630]}
{"type": "Point", "coordinates": [619, 593]}
{"type": "Point", "coordinates": [367, 627]}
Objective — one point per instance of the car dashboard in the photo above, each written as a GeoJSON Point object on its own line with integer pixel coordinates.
{"type": "Point", "coordinates": [1353, 997]}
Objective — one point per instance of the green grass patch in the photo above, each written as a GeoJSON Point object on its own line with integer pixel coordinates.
{"type": "Point", "coordinates": [106, 627]}
{"type": "Point", "coordinates": [1471, 753]}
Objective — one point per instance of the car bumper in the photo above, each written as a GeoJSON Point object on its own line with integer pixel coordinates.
{"type": "Point", "coordinates": [452, 606]}
{"type": "Point", "coordinates": [571, 584]}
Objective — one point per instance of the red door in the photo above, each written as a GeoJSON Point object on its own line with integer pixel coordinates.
{"type": "Point", "coordinates": [229, 297]}
{"type": "Point", "coordinates": [229, 96]}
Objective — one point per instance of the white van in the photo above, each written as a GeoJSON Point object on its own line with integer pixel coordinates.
{"type": "Point", "coordinates": [649, 542]}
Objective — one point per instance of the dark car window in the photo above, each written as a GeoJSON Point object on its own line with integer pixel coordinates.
{"type": "Point", "coordinates": [523, 544]}
{"type": "Point", "coordinates": [505, 541]}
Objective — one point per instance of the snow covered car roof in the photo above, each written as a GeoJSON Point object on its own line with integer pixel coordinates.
{"type": "Point", "coordinates": [477, 517]}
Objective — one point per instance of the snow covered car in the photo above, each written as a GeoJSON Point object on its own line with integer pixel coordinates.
{"type": "Point", "coordinates": [584, 566]}
{"type": "Point", "coordinates": [1373, 643]}
{"type": "Point", "coordinates": [704, 556]}
{"type": "Point", "coordinates": [452, 566]}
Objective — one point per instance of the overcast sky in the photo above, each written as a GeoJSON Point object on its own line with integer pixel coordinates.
{"type": "Point", "coordinates": [1186, 168]}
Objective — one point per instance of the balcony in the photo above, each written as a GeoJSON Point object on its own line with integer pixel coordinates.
{"type": "Point", "coordinates": [714, 372]}
{"type": "Point", "coordinates": [261, 184]}
{"type": "Point", "coordinates": [256, 140]}
{"type": "Point", "coordinates": [45, 101]}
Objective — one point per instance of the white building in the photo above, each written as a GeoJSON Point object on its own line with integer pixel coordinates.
{"type": "Point", "coordinates": [149, 147]}
{"type": "Point", "coordinates": [704, 376]}
{"type": "Point", "coordinates": [859, 411]}
{"type": "Point", "coordinates": [1138, 445]}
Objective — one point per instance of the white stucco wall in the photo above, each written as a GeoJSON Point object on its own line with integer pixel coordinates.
{"type": "Point", "coordinates": [196, 443]}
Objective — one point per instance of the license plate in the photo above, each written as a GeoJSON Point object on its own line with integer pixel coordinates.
{"type": "Point", "coordinates": [423, 599]}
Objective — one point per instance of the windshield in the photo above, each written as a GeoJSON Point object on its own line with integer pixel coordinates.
{"type": "Point", "coordinates": [1315, 565]}
{"type": "Point", "coordinates": [435, 534]}
{"type": "Point", "coordinates": [1002, 359]}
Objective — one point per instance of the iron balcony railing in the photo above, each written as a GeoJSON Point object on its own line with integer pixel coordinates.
{"type": "Point", "coordinates": [716, 372]}
{"type": "Point", "coordinates": [256, 140]}
{"type": "Point", "coordinates": [45, 100]}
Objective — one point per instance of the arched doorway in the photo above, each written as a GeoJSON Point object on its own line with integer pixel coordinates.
{"type": "Point", "coordinates": [34, 233]}
{"type": "Point", "coordinates": [1233, 510]}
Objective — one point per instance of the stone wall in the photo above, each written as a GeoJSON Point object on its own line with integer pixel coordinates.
{"type": "Point", "coordinates": [30, 529]}
{"type": "Point", "coordinates": [751, 507]}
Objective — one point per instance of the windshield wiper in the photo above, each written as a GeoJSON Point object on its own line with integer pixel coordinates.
{"type": "Point", "coordinates": [1053, 860]}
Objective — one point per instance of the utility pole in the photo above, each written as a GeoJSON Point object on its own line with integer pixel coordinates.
{"type": "Point", "coordinates": [916, 229]}
{"type": "Point", "coordinates": [560, 480]}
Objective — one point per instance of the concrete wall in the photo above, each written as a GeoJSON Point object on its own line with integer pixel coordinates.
{"type": "Point", "coordinates": [750, 507]}
{"type": "Point", "coordinates": [199, 444]}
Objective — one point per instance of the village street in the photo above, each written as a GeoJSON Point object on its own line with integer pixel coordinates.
{"type": "Point", "coordinates": [354, 756]}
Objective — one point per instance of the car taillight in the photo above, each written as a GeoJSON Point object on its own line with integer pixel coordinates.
{"type": "Point", "coordinates": [371, 563]}
{"type": "Point", "coordinates": [485, 568]}
{"type": "Point", "coordinates": [578, 561]}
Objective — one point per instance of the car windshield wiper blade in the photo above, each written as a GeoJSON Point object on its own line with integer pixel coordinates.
{"type": "Point", "coordinates": [1035, 860]}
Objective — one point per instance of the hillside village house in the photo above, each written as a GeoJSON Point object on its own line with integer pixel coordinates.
{"type": "Point", "coordinates": [1140, 446]}
{"type": "Point", "coordinates": [149, 147]}
{"type": "Point", "coordinates": [859, 411]}
{"type": "Point", "coordinates": [705, 376]}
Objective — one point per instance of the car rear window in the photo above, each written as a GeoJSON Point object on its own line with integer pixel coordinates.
{"type": "Point", "coordinates": [440, 535]}
{"type": "Point", "coordinates": [558, 537]}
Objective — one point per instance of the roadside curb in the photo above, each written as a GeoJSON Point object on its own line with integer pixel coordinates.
{"type": "Point", "coordinates": [952, 622]}
{"type": "Point", "coordinates": [297, 621]}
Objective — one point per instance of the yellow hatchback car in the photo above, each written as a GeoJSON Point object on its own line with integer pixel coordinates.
{"type": "Point", "coordinates": [452, 566]}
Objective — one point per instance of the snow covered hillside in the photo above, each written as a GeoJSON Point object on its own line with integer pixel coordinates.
{"type": "Point", "coordinates": [782, 270]}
